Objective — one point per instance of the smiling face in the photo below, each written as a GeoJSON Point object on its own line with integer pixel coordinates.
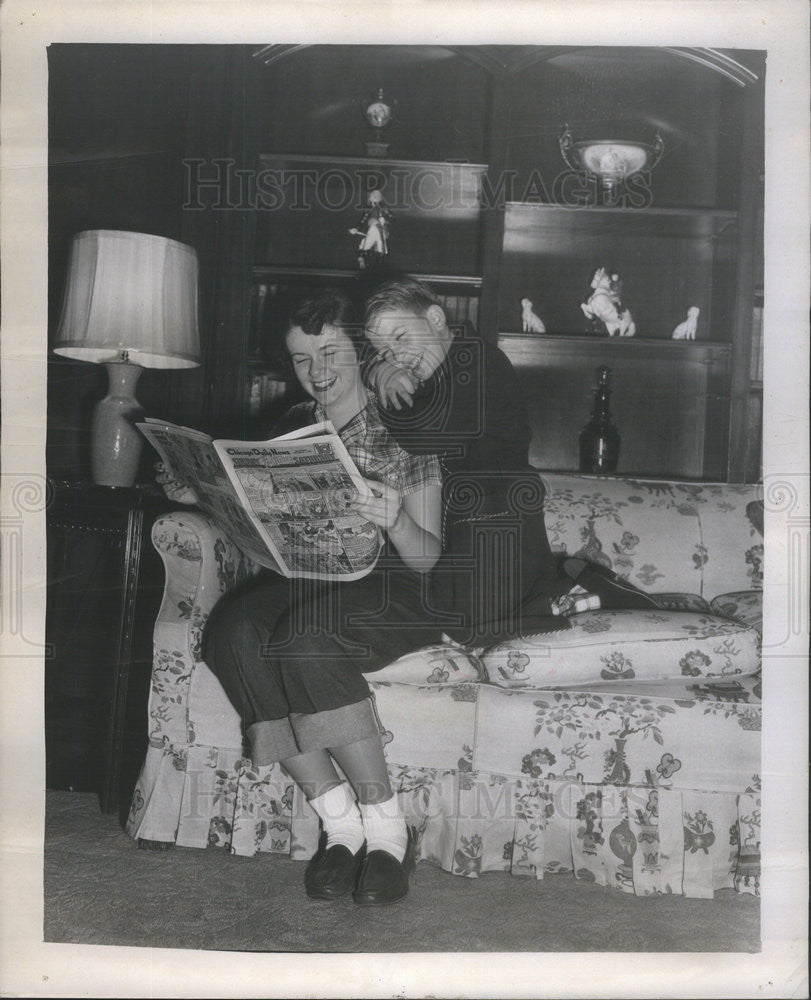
{"type": "Point", "coordinates": [410, 339]}
{"type": "Point", "coordinates": [325, 364]}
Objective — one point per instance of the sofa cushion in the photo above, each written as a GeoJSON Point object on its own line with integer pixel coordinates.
{"type": "Point", "coordinates": [734, 547]}
{"type": "Point", "coordinates": [647, 533]}
{"type": "Point", "coordinates": [744, 606]}
{"type": "Point", "coordinates": [445, 663]}
{"type": "Point", "coordinates": [625, 645]}
{"type": "Point", "coordinates": [660, 536]}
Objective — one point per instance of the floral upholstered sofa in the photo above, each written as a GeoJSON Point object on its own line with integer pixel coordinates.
{"type": "Point", "coordinates": [625, 750]}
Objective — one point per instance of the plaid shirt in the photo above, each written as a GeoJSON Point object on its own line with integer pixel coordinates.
{"type": "Point", "coordinates": [374, 451]}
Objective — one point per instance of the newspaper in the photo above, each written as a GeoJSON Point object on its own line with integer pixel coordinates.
{"type": "Point", "coordinates": [284, 502]}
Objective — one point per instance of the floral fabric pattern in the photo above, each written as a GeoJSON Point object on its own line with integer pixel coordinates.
{"type": "Point", "coordinates": [448, 663]}
{"type": "Point", "coordinates": [623, 775]}
{"type": "Point", "coordinates": [622, 645]}
{"type": "Point", "coordinates": [660, 536]}
{"type": "Point", "coordinates": [744, 606]}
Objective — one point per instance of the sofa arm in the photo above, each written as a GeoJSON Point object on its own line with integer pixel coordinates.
{"type": "Point", "coordinates": [201, 564]}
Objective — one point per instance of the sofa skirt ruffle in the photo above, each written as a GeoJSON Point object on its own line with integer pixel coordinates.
{"type": "Point", "coordinates": [644, 840]}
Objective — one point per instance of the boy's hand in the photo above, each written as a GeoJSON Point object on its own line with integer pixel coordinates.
{"type": "Point", "coordinates": [395, 385]}
{"type": "Point", "coordinates": [174, 490]}
{"type": "Point", "coordinates": [382, 508]}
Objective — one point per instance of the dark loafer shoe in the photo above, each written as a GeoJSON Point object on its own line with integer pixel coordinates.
{"type": "Point", "coordinates": [333, 872]}
{"type": "Point", "coordinates": [383, 879]}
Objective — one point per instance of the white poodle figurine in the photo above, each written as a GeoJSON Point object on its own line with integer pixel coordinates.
{"type": "Point", "coordinates": [604, 304]}
{"type": "Point", "coordinates": [531, 322]}
{"type": "Point", "coordinates": [687, 329]}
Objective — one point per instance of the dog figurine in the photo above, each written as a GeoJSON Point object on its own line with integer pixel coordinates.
{"type": "Point", "coordinates": [531, 322]}
{"type": "Point", "coordinates": [687, 329]}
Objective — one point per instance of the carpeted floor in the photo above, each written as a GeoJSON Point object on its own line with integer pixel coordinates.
{"type": "Point", "coordinates": [100, 889]}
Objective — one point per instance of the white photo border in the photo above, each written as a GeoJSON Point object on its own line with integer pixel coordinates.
{"type": "Point", "coordinates": [781, 27]}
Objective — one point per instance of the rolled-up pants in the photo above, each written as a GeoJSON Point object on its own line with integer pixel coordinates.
{"type": "Point", "coordinates": [291, 654]}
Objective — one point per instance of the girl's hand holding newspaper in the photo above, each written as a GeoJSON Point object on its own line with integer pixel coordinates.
{"type": "Point", "coordinates": [176, 491]}
{"type": "Point", "coordinates": [382, 508]}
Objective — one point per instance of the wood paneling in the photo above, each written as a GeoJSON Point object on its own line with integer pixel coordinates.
{"type": "Point", "coordinates": [136, 192]}
{"type": "Point", "coordinates": [499, 118]}
{"type": "Point", "coordinates": [629, 91]}
{"type": "Point", "coordinates": [145, 108]}
{"type": "Point", "coordinates": [748, 270]}
{"type": "Point", "coordinates": [668, 260]}
{"type": "Point", "coordinates": [215, 395]}
{"type": "Point", "coordinates": [309, 204]}
{"type": "Point", "coordinates": [116, 120]}
{"type": "Point", "coordinates": [312, 102]}
{"type": "Point", "coordinates": [668, 401]}
{"type": "Point", "coordinates": [117, 99]}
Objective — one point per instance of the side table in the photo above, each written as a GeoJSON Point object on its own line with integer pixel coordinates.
{"type": "Point", "coordinates": [104, 589]}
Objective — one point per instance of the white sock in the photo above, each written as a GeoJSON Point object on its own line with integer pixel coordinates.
{"type": "Point", "coordinates": [339, 813]}
{"type": "Point", "coordinates": [385, 827]}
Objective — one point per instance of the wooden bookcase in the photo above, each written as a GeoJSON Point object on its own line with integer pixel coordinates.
{"type": "Point", "coordinates": [684, 409]}
{"type": "Point", "coordinates": [668, 259]}
{"type": "Point", "coordinates": [306, 207]}
{"type": "Point", "coordinates": [491, 225]}
{"type": "Point", "coordinates": [671, 398]}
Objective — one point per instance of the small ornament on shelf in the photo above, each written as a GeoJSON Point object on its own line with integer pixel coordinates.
{"type": "Point", "coordinates": [604, 306]}
{"type": "Point", "coordinates": [378, 112]}
{"type": "Point", "coordinates": [687, 329]}
{"type": "Point", "coordinates": [373, 231]}
{"type": "Point", "coordinates": [600, 439]}
{"type": "Point", "coordinates": [531, 322]}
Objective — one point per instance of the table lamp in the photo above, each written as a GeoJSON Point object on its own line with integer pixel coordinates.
{"type": "Point", "coordinates": [130, 303]}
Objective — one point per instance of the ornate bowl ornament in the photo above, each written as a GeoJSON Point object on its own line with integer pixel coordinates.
{"type": "Point", "coordinates": [611, 161]}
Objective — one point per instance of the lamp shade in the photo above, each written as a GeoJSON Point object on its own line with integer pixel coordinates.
{"type": "Point", "coordinates": [130, 297]}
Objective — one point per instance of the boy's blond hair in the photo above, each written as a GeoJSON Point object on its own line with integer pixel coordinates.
{"type": "Point", "coordinates": [407, 294]}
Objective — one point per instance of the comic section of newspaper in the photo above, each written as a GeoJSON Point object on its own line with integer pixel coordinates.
{"type": "Point", "coordinates": [283, 502]}
{"type": "Point", "coordinates": [192, 459]}
{"type": "Point", "coordinates": [300, 491]}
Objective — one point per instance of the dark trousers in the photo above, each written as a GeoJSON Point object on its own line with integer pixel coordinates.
{"type": "Point", "coordinates": [282, 647]}
{"type": "Point", "coordinates": [497, 579]}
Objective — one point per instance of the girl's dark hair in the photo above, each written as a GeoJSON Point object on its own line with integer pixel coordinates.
{"type": "Point", "coordinates": [330, 307]}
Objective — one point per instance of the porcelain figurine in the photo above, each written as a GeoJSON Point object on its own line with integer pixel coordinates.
{"type": "Point", "coordinates": [604, 305]}
{"type": "Point", "coordinates": [374, 244]}
{"type": "Point", "coordinates": [531, 322]}
{"type": "Point", "coordinates": [687, 329]}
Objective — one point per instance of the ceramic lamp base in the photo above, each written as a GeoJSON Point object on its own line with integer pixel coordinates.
{"type": "Point", "coordinates": [116, 441]}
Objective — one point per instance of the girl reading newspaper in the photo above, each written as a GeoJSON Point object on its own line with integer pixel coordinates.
{"type": "Point", "coordinates": [291, 653]}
